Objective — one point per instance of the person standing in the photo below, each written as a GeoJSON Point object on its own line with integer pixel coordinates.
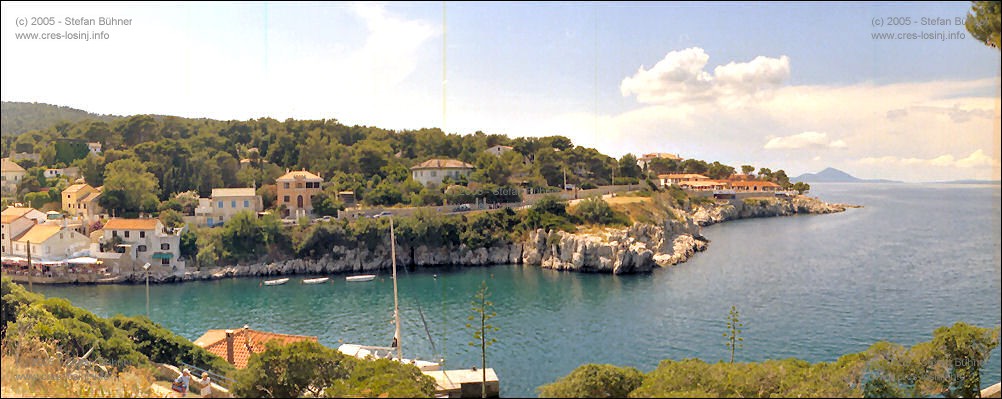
{"type": "Point", "coordinates": [206, 383]}
{"type": "Point", "coordinates": [180, 384]}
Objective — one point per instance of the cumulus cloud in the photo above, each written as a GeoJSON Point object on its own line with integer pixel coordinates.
{"type": "Point", "coordinates": [803, 140]}
{"type": "Point", "coordinates": [681, 77]}
{"type": "Point", "coordinates": [977, 159]}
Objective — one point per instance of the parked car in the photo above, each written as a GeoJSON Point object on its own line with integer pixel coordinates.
{"type": "Point", "coordinates": [462, 208]}
{"type": "Point", "coordinates": [382, 214]}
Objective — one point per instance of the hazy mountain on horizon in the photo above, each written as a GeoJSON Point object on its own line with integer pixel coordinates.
{"type": "Point", "coordinates": [20, 117]}
{"type": "Point", "coordinates": [832, 175]}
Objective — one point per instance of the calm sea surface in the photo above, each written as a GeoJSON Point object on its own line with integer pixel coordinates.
{"type": "Point", "coordinates": [916, 257]}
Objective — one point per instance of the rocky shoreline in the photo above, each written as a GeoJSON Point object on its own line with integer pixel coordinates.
{"type": "Point", "coordinates": [636, 249]}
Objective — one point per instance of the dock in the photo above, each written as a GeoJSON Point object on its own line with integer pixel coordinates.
{"type": "Point", "coordinates": [464, 383]}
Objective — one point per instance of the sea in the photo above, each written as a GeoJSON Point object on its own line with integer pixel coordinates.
{"type": "Point", "coordinates": [913, 258]}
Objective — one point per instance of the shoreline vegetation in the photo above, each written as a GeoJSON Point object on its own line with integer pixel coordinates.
{"type": "Point", "coordinates": [633, 232]}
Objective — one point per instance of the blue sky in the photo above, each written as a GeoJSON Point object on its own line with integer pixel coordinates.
{"type": "Point", "coordinates": [783, 85]}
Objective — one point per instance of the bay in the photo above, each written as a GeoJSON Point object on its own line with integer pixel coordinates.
{"type": "Point", "coordinates": [915, 257]}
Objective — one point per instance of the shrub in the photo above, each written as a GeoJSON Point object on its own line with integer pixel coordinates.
{"type": "Point", "coordinates": [594, 381]}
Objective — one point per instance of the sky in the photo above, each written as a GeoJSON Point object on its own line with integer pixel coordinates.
{"type": "Point", "coordinates": [791, 86]}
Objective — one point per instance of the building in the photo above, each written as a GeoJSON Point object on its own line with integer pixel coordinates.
{"type": "Point", "coordinates": [680, 179]}
{"type": "Point", "coordinates": [236, 346]}
{"type": "Point", "coordinates": [11, 226]}
{"type": "Point", "coordinates": [643, 160]}
{"type": "Point", "coordinates": [25, 156]}
{"type": "Point", "coordinates": [90, 209]}
{"type": "Point", "coordinates": [71, 172]}
{"type": "Point", "coordinates": [755, 186]}
{"type": "Point", "coordinates": [33, 214]}
{"type": "Point", "coordinates": [10, 175]}
{"type": "Point", "coordinates": [73, 196]}
{"type": "Point", "coordinates": [498, 150]}
{"type": "Point", "coordinates": [295, 190]}
{"type": "Point", "coordinates": [146, 240]}
{"type": "Point", "coordinates": [226, 202]}
{"type": "Point", "coordinates": [49, 241]}
{"type": "Point", "coordinates": [95, 148]}
{"type": "Point", "coordinates": [704, 185]}
{"type": "Point", "coordinates": [434, 170]}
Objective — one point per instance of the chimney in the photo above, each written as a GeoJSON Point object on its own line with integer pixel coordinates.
{"type": "Point", "coordinates": [229, 346]}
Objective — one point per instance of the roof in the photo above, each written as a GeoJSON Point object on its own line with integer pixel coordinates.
{"type": "Point", "coordinates": [299, 174]}
{"type": "Point", "coordinates": [682, 176]}
{"type": "Point", "coordinates": [233, 192]}
{"type": "Point", "coordinates": [8, 219]}
{"type": "Point", "coordinates": [752, 183]}
{"type": "Point", "coordinates": [131, 224]}
{"type": "Point", "coordinates": [504, 147]}
{"type": "Point", "coordinates": [6, 165]}
{"type": "Point", "coordinates": [16, 211]}
{"type": "Point", "coordinates": [90, 197]}
{"type": "Point", "coordinates": [442, 164]}
{"type": "Point", "coordinates": [76, 187]}
{"type": "Point", "coordinates": [245, 342]}
{"type": "Point", "coordinates": [39, 233]}
{"type": "Point", "coordinates": [661, 155]}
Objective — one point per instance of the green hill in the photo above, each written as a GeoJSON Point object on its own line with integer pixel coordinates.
{"type": "Point", "coordinates": [18, 117]}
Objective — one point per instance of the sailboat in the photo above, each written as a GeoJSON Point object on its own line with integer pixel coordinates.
{"type": "Point", "coordinates": [394, 351]}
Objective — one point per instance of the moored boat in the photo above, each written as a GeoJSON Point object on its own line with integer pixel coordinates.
{"type": "Point", "coordinates": [319, 280]}
{"type": "Point", "coordinates": [276, 282]}
{"type": "Point", "coordinates": [361, 277]}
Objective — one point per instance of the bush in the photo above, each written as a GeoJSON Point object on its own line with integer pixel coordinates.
{"type": "Point", "coordinates": [594, 381]}
{"type": "Point", "coordinates": [596, 211]}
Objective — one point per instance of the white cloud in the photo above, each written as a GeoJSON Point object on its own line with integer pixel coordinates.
{"type": "Point", "coordinates": [803, 140]}
{"type": "Point", "coordinates": [680, 77]}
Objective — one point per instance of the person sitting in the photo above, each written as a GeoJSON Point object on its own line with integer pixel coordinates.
{"type": "Point", "coordinates": [180, 384]}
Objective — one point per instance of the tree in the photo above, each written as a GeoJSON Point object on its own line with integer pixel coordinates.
{"type": "Point", "coordinates": [482, 311]}
{"type": "Point", "coordinates": [734, 326]}
{"type": "Point", "coordinates": [964, 349]}
{"type": "Point", "coordinates": [660, 166]}
{"type": "Point", "coordinates": [984, 21]}
{"type": "Point", "coordinates": [628, 166]}
{"type": "Point", "coordinates": [137, 187]}
{"type": "Point", "coordinates": [801, 187]}
{"type": "Point", "coordinates": [594, 381]}
{"type": "Point", "coordinates": [747, 169]}
{"type": "Point", "coordinates": [290, 371]}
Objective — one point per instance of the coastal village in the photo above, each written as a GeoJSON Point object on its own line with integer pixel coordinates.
{"type": "Point", "coordinates": [80, 242]}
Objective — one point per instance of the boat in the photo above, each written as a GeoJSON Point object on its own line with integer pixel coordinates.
{"type": "Point", "coordinates": [319, 280]}
{"type": "Point", "coordinates": [361, 277]}
{"type": "Point", "coordinates": [394, 351]}
{"type": "Point", "coordinates": [276, 282]}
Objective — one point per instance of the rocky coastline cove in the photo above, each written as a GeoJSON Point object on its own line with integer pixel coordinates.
{"type": "Point", "coordinates": [671, 239]}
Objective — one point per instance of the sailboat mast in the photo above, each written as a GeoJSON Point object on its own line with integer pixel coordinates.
{"type": "Point", "coordinates": [396, 304]}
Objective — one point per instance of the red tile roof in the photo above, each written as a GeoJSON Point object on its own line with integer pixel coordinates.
{"type": "Point", "coordinates": [245, 343]}
{"type": "Point", "coordinates": [131, 224]}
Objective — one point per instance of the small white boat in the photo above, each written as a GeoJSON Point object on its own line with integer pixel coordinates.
{"type": "Point", "coordinates": [276, 282]}
{"type": "Point", "coordinates": [361, 277]}
{"type": "Point", "coordinates": [319, 280]}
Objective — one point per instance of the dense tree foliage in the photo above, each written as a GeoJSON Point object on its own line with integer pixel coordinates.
{"type": "Point", "coordinates": [594, 381]}
{"type": "Point", "coordinates": [308, 368]}
{"type": "Point", "coordinates": [948, 366]}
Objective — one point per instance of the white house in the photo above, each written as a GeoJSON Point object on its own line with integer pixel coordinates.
{"type": "Point", "coordinates": [12, 226]}
{"type": "Point", "coordinates": [434, 170]}
{"type": "Point", "coordinates": [498, 150]}
{"type": "Point", "coordinates": [146, 240]}
{"type": "Point", "coordinates": [49, 242]}
{"type": "Point", "coordinates": [10, 175]}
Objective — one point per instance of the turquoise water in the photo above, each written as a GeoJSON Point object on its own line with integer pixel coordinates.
{"type": "Point", "coordinates": [816, 286]}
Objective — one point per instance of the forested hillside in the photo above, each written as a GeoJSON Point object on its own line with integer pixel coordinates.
{"type": "Point", "coordinates": [18, 117]}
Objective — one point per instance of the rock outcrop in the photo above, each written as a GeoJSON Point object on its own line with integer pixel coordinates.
{"type": "Point", "coordinates": [636, 249]}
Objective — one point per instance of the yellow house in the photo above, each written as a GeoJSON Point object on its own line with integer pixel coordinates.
{"type": "Point", "coordinates": [72, 197]}
{"type": "Point", "coordinates": [10, 175]}
{"type": "Point", "coordinates": [295, 190]}
{"type": "Point", "coordinates": [50, 242]}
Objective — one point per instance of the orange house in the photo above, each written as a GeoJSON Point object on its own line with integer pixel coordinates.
{"type": "Point", "coordinates": [295, 189]}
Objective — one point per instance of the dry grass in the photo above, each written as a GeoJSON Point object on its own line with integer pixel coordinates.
{"type": "Point", "coordinates": [36, 369]}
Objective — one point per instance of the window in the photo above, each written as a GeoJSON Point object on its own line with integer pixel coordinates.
{"type": "Point", "coordinates": [165, 246]}
{"type": "Point", "coordinates": [141, 248]}
{"type": "Point", "coordinates": [126, 234]}
{"type": "Point", "coordinates": [165, 262]}
{"type": "Point", "coordinates": [219, 204]}
{"type": "Point", "coordinates": [433, 174]}
{"type": "Point", "coordinates": [299, 185]}
{"type": "Point", "coordinates": [233, 204]}
{"type": "Point", "coordinates": [246, 204]}
{"type": "Point", "coordinates": [142, 234]}
{"type": "Point", "coordinates": [114, 233]}
{"type": "Point", "coordinates": [285, 198]}
{"type": "Point", "coordinates": [286, 185]}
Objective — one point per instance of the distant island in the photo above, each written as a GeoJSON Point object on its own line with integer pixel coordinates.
{"type": "Point", "coordinates": [832, 175]}
{"type": "Point", "coordinates": [970, 181]}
